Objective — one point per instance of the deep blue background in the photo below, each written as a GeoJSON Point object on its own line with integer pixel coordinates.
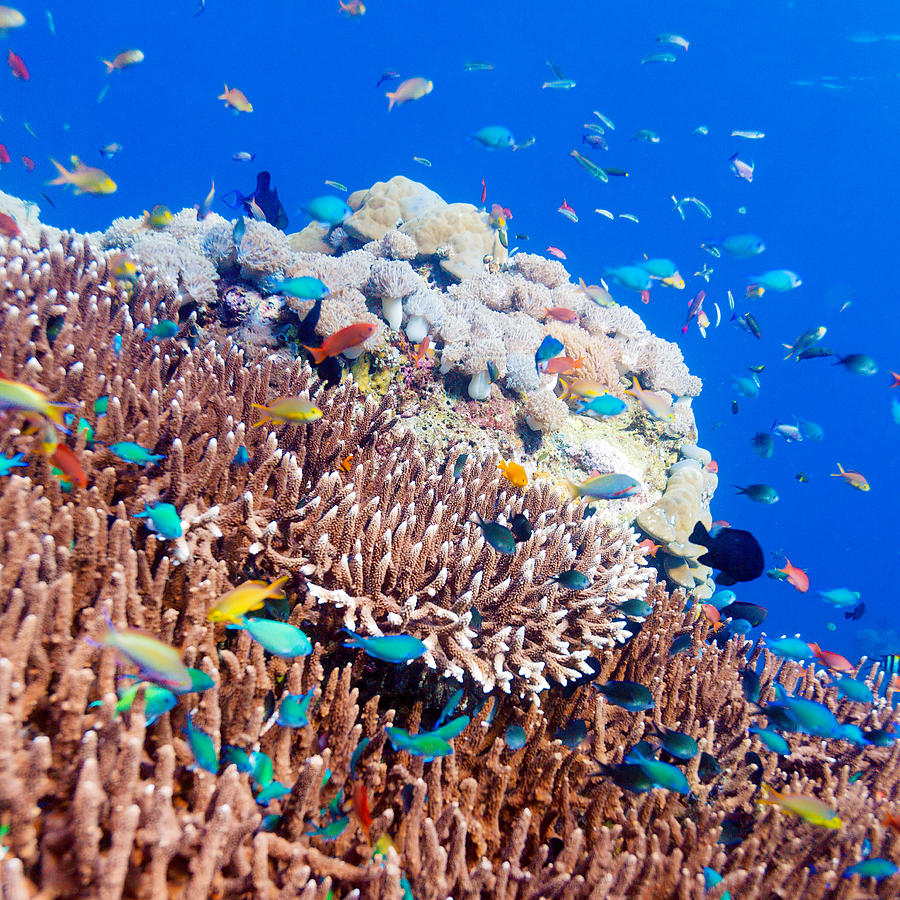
{"type": "Point", "coordinates": [824, 197]}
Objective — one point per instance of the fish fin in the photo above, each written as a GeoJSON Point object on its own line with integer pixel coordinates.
{"type": "Point", "coordinates": [318, 354]}
{"type": "Point", "coordinates": [63, 173]}
{"type": "Point", "coordinates": [392, 97]}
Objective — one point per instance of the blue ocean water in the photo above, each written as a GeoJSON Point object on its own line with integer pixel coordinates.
{"type": "Point", "coordinates": [820, 78]}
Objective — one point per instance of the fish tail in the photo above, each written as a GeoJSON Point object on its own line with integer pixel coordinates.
{"type": "Point", "coordinates": [318, 353]}
{"type": "Point", "coordinates": [392, 97]}
{"type": "Point", "coordinates": [63, 173]}
{"type": "Point", "coordinates": [110, 67]}
{"type": "Point", "coordinates": [275, 591]}
{"type": "Point", "coordinates": [574, 493]}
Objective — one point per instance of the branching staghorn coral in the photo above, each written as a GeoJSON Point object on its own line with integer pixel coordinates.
{"type": "Point", "coordinates": [100, 805]}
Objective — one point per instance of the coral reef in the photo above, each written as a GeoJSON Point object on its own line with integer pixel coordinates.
{"type": "Point", "coordinates": [101, 804]}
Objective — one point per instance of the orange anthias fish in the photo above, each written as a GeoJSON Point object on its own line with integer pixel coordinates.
{"type": "Point", "coordinates": [351, 336]}
{"type": "Point", "coordinates": [896, 377]}
{"type": "Point", "coordinates": [556, 252]}
{"type": "Point", "coordinates": [832, 660]}
{"type": "Point", "coordinates": [8, 226]}
{"type": "Point", "coordinates": [421, 351]}
{"type": "Point", "coordinates": [794, 576]}
{"type": "Point", "coordinates": [18, 67]}
{"type": "Point", "coordinates": [411, 89]}
{"type": "Point", "coordinates": [353, 8]}
{"type": "Point", "coordinates": [85, 179]}
{"type": "Point", "coordinates": [559, 365]}
{"type": "Point", "coordinates": [361, 806]}
{"type": "Point", "coordinates": [854, 479]}
{"type": "Point", "coordinates": [123, 60]}
{"type": "Point", "coordinates": [891, 821]}
{"type": "Point", "coordinates": [64, 458]}
{"type": "Point", "coordinates": [234, 97]}
{"type": "Point", "coordinates": [561, 314]}
{"type": "Point", "coordinates": [647, 546]}
{"type": "Point", "coordinates": [346, 464]}
{"type": "Point", "coordinates": [513, 472]}
{"type": "Point", "coordinates": [712, 615]}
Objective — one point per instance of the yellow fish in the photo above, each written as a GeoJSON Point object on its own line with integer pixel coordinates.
{"type": "Point", "coordinates": [158, 218]}
{"type": "Point", "coordinates": [807, 807]}
{"type": "Point", "coordinates": [17, 396]}
{"type": "Point", "coordinates": [85, 179]}
{"type": "Point", "coordinates": [583, 387]}
{"type": "Point", "coordinates": [513, 472]}
{"type": "Point", "coordinates": [246, 597]}
{"type": "Point", "coordinates": [655, 404]}
{"type": "Point", "coordinates": [234, 97]}
{"type": "Point", "coordinates": [288, 409]}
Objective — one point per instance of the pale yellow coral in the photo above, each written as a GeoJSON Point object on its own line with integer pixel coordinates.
{"type": "Point", "coordinates": [264, 252]}
{"type": "Point", "coordinates": [387, 203]}
{"type": "Point", "coordinates": [544, 411]}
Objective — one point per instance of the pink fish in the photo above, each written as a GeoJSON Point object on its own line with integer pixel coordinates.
{"type": "Point", "coordinates": [741, 169]}
{"type": "Point", "coordinates": [411, 89]}
{"type": "Point", "coordinates": [695, 307]}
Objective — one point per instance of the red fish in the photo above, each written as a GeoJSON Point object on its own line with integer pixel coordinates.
{"type": "Point", "coordinates": [795, 577]}
{"type": "Point", "coordinates": [556, 252]}
{"type": "Point", "coordinates": [18, 67]}
{"type": "Point", "coordinates": [712, 466]}
{"type": "Point", "coordinates": [8, 226]}
{"type": "Point", "coordinates": [4, 155]}
{"type": "Point", "coordinates": [559, 365]}
{"type": "Point", "coordinates": [28, 162]}
{"type": "Point", "coordinates": [896, 377]}
{"type": "Point", "coordinates": [561, 314]}
{"type": "Point", "coordinates": [421, 351]}
{"type": "Point", "coordinates": [645, 296]}
{"type": "Point", "coordinates": [342, 340]}
{"type": "Point", "coordinates": [64, 458]}
{"type": "Point", "coordinates": [483, 191]}
{"type": "Point", "coordinates": [361, 805]}
{"type": "Point", "coordinates": [832, 660]}
{"type": "Point", "coordinates": [713, 616]}
{"type": "Point", "coordinates": [647, 546]}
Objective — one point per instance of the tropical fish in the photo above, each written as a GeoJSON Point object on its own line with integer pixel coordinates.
{"type": "Point", "coordinates": [8, 226]}
{"type": "Point", "coordinates": [202, 746]}
{"type": "Point", "coordinates": [273, 791]}
{"type": "Point", "coordinates": [497, 536]}
{"type": "Point", "coordinates": [875, 867]}
{"type": "Point", "coordinates": [343, 339]}
{"type": "Point", "coordinates": [162, 518]}
{"type": "Point", "coordinates": [840, 597]}
{"type": "Point", "coordinates": [859, 364]}
{"type": "Point", "coordinates": [68, 463]}
{"type": "Point", "coordinates": [832, 660]}
{"type": "Point", "coordinates": [234, 97]}
{"type": "Point", "coordinates": [10, 18]}
{"type": "Point", "coordinates": [332, 829]}
{"type": "Point", "coordinates": [426, 745]}
{"type": "Point", "coordinates": [695, 308]}
{"type": "Point", "coordinates": [736, 553]}
{"type": "Point", "coordinates": [549, 348]}
{"type": "Point", "coordinates": [806, 806]}
{"type": "Point", "coordinates": [771, 739]}
{"type": "Point", "coordinates": [392, 648]}
{"type": "Point", "coordinates": [591, 168]}
{"type": "Point", "coordinates": [759, 493]}
{"type": "Point", "coordinates": [645, 136]}
{"type": "Point", "coordinates": [635, 278]}
{"type": "Point", "coordinates": [794, 576]}
{"type": "Point", "coordinates": [778, 280]}
{"type": "Point", "coordinates": [353, 7]}
{"type": "Point", "coordinates": [125, 59]}
{"type": "Point", "coordinates": [513, 472]}
{"type": "Point", "coordinates": [853, 689]}
{"type": "Point", "coordinates": [747, 322]}
{"type": "Point", "coordinates": [597, 293]}
{"type": "Point", "coordinates": [675, 39]}
{"type": "Point", "coordinates": [246, 597]}
{"type": "Point", "coordinates": [791, 648]}
{"type": "Point", "coordinates": [158, 218]}
{"type": "Point", "coordinates": [659, 58]}
{"type": "Point", "coordinates": [607, 486]}
{"type": "Point", "coordinates": [559, 365]}
{"type": "Point", "coordinates": [567, 211]}
{"type": "Point", "coordinates": [328, 210]}
{"type": "Point", "coordinates": [204, 208]}
{"type": "Point", "coordinates": [749, 135]}
{"type": "Point", "coordinates": [810, 430]}
{"type": "Point", "coordinates": [661, 774]}
{"type": "Point", "coordinates": [791, 433]}
{"type": "Point", "coordinates": [647, 546]}
{"type": "Point", "coordinates": [131, 452]}
{"type": "Point", "coordinates": [763, 444]}
{"type": "Point", "coordinates": [157, 700]}
{"type": "Point", "coordinates": [711, 878]}
{"type": "Point", "coordinates": [740, 168]}
{"type": "Point", "coordinates": [740, 246]}
{"type": "Point", "coordinates": [598, 142]}
{"type": "Point", "coordinates": [8, 463]}
{"type": "Point", "coordinates": [17, 67]}
{"type": "Point", "coordinates": [677, 743]}
{"type": "Point", "coordinates": [556, 252]}
{"type": "Point", "coordinates": [654, 403]}
{"type": "Point", "coordinates": [520, 527]}
{"type": "Point", "coordinates": [854, 479]}
{"type": "Point", "coordinates": [476, 66]}
{"type": "Point", "coordinates": [243, 156]}
{"type": "Point", "coordinates": [411, 89]}
{"type": "Point", "coordinates": [304, 287]}
{"type": "Point", "coordinates": [515, 737]}
{"type": "Point", "coordinates": [85, 179]}
{"type": "Point", "coordinates": [278, 638]}
{"type": "Point", "coordinates": [495, 137]}
{"type": "Point", "coordinates": [293, 710]}
{"type": "Point", "coordinates": [572, 579]}
{"type": "Point", "coordinates": [163, 330]}
{"type": "Point", "coordinates": [629, 695]}
{"type": "Point", "coordinates": [157, 661]}
{"type": "Point", "coordinates": [288, 410]}
{"type": "Point", "coordinates": [603, 406]}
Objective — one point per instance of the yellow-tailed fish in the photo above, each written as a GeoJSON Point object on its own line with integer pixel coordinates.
{"type": "Point", "coordinates": [288, 409]}
{"type": "Point", "coordinates": [17, 396]}
{"type": "Point", "coordinates": [157, 661]}
{"type": "Point", "coordinates": [656, 404]}
{"type": "Point", "coordinates": [85, 179]}
{"type": "Point", "coordinates": [806, 806]}
{"type": "Point", "coordinates": [251, 595]}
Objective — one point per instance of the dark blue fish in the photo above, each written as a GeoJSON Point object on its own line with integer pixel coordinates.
{"type": "Point", "coordinates": [242, 457]}
{"type": "Point", "coordinates": [630, 695]}
{"type": "Point", "coordinates": [520, 527]}
{"type": "Point", "coordinates": [681, 643]}
{"type": "Point", "coordinates": [265, 197]}
{"type": "Point", "coordinates": [573, 734]}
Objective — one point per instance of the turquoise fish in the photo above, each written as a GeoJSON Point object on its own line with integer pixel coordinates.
{"type": "Point", "coordinates": [277, 638]}
{"type": "Point", "coordinates": [392, 648]}
{"type": "Point", "coordinates": [162, 518]}
{"type": "Point", "coordinates": [293, 710]}
{"type": "Point", "coordinates": [134, 453]}
{"type": "Point", "coordinates": [202, 746]}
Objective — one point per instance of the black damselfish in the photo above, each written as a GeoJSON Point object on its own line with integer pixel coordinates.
{"type": "Point", "coordinates": [735, 553]}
